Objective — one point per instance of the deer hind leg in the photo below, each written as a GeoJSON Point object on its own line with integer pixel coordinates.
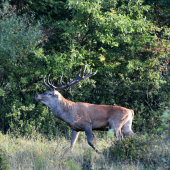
{"type": "Point", "coordinates": [88, 132]}
{"type": "Point", "coordinates": [117, 129]}
{"type": "Point", "coordinates": [126, 129]}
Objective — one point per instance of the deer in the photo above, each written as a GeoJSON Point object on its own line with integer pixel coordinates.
{"type": "Point", "coordinates": [80, 116]}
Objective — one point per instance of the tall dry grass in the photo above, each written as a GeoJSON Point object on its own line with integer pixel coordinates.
{"type": "Point", "coordinates": [39, 153]}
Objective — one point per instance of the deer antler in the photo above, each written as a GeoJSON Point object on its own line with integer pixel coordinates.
{"type": "Point", "coordinates": [76, 80]}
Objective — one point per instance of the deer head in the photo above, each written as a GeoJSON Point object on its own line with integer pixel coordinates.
{"type": "Point", "coordinates": [51, 97]}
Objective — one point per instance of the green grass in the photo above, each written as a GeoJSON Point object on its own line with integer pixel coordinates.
{"type": "Point", "coordinates": [39, 153]}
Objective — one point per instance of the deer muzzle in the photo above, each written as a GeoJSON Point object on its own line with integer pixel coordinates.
{"type": "Point", "coordinates": [38, 98]}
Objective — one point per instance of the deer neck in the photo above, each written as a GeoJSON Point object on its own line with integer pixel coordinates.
{"type": "Point", "coordinates": [63, 107]}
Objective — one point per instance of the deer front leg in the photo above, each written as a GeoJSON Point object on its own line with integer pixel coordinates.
{"type": "Point", "coordinates": [74, 137]}
{"type": "Point", "coordinates": [88, 132]}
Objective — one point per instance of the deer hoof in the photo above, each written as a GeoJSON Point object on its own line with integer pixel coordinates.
{"type": "Point", "coordinates": [98, 152]}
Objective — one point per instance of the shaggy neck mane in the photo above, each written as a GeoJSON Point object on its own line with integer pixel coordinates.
{"type": "Point", "coordinates": [66, 105]}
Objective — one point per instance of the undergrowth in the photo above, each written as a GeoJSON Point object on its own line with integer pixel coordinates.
{"type": "Point", "coordinates": [37, 152]}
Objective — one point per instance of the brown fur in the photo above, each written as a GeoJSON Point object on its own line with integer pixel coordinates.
{"type": "Point", "coordinates": [87, 117]}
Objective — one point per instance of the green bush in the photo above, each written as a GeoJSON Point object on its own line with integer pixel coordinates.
{"type": "Point", "coordinates": [148, 149]}
{"type": "Point", "coordinates": [120, 39]}
{"type": "Point", "coordinates": [165, 125]}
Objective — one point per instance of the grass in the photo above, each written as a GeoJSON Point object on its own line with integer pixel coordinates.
{"type": "Point", "coordinates": [39, 153]}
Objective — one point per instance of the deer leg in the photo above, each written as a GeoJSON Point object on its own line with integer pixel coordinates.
{"type": "Point", "coordinates": [127, 129]}
{"type": "Point", "coordinates": [88, 132]}
{"type": "Point", "coordinates": [116, 129]}
{"type": "Point", "coordinates": [74, 137]}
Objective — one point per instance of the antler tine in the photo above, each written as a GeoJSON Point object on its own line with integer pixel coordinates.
{"type": "Point", "coordinates": [90, 71]}
{"type": "Point", "coordinates": [61, 80]}
{"type": "Point", "coordinates": [79, 72]}
{"type": "Point", "coordinates": [46, 83]}
{"type": "Point", "coordinates": [89, 75]}
{"type": "Point", "coordinates": [67, 81]}
{"type": "Point", "coordinates": [53, 87]}
{"type": "Point", "coordinates": [78, 75]}
{"type": "Point", "coordinates": [84, 71]}
{"type": "Point", "coordinates": [48, 80]}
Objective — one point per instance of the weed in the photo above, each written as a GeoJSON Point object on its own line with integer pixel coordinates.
{"type": "Point", "coordinates": [139, 153]}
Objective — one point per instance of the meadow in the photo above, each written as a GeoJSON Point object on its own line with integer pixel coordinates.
{"type": "Point", "coordinates": [39, 153]}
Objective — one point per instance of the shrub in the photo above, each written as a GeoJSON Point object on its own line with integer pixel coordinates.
{"type": "Point", "coordinates": [146, 149]}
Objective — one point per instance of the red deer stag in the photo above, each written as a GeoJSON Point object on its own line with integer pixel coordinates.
{"type": "Point", "coordinates": [84, 116]}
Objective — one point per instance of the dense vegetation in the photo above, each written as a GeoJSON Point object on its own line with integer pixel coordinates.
{"type": "Point", "coordinates": [127, 41]}
{"type": "Point", "coordinates": [39, 153]}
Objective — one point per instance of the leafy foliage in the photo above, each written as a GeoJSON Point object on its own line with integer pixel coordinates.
{"type": "Point", "coordinates": [143, 148]}
{"type": "Point", "coordinates": [126, 41]}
